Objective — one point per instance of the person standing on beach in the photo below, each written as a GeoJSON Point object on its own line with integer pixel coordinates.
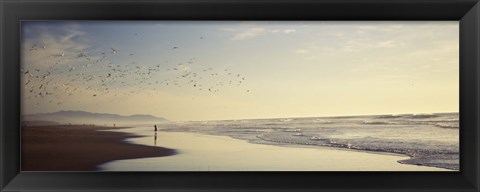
{"type": "Point", "coordinates": [155, 139]}
{"type": "Point", "coordinates": [155, 126]}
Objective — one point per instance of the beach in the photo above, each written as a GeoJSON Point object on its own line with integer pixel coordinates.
{"type": "Point", "coordinates": [427, 139]}
{"type": "Point", "coordinates": [78, 148]}
{"type": "Point", "coordinates": [202, 152]}
{"type": "Point", "coordinates": [94, 148]}
{"type": "Point", "coordinates": [240, 96]}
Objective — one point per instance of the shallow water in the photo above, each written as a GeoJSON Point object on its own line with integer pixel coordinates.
{"type": "Point", "coordinates": [429, 139]}
{"type": "Point", "coordinates": [200, 152]}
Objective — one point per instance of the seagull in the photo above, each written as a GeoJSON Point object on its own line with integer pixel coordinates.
{"type": "Point", "coordinates": [114, 51]}
{"type": "Point", "coordinates": [174, 48]}
{"type": "Point", "coordinates": [33, 48]}
{"type": "Point", "coordinates": [81, 55]}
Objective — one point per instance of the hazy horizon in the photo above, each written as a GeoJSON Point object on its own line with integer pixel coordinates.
{"type": "Point", "coordinates": [189, 71]}
{"type": "Point", "coordinates": [327, 116]}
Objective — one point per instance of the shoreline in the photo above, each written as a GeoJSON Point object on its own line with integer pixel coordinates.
{"type": "Point", "coordinates": [79, 147]}
{"type": "Point", "coordinates": [95, 148]}
{"type": "Point", "coordinates": [409, 159]}
{"type": "Point", "coordinates": [206, 152]}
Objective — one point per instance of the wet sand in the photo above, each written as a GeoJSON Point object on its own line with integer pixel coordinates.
{"type": "Point", "coordinates": [79, 148]}
{"type": "Point", "coordinates": [200, 152]}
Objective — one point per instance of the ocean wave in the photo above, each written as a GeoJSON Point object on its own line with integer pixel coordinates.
{"type": "Point", "coordinates": [388, 116]}
{"type": "Point", "coordinates": [292, 130]}
{"type": "Point", "coordinates": [420, 153]}
{"type": "Point", "coordinates": [315, 138]}
{"type": "Point", "coordinates": [448, 125]}
{"type": "Point", "coordinates": [423, 116]}
{"type": "Point", "coordinates": [426, 138]}
{"type": "Point", "coordinates": [375, 122]}
{"type": "Point", "coordinates": [452, 120]}
{"type": "Point", "coordinates": [322, 121]}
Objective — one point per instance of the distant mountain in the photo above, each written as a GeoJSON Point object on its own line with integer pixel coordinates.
{"type": "Point", "coordinates": [38, 123]}
{"type": "Point", "coordinates": [83, 117]}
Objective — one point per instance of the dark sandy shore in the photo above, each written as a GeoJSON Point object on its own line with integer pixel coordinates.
{"type": "Point", "coordinates": [78, 148]}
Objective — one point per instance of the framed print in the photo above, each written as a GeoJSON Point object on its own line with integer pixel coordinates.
{"type": "Point", "coordinates": [83, 83]}
{"type": "Point", "coordinates": [248, 96]}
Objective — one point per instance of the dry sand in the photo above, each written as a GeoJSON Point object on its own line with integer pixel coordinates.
{"type": "Point", "coordinates": [78, 148]}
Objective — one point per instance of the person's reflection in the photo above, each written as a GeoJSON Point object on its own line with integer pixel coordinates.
{"type": "Point", "coordinates": [155, 139]}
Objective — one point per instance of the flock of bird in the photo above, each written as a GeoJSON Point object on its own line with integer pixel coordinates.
{"type": "Point", "coordinates": [72, 74]}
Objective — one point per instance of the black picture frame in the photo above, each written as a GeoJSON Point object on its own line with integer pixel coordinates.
{"type": "Point", "coordinates": [14, 11]}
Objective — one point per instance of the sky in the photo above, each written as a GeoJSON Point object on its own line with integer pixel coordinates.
{"type": "Point", "coordinates": [214, 70]}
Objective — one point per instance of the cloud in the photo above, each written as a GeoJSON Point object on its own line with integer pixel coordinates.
{"type": "Point", "coordinates": [359, 45]}
{"type": "Point", "coordinates": [301, 51]}
{"type": "Point", "coordinates": [248, 33]}
{"type": "Point", "coordinates": [287, 31]}
{"type": "Point", "coordinates": [49, 47]}
{"type": "Point", "coordinates": [386, 44]}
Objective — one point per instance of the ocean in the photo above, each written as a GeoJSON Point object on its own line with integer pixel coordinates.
{"type": "Point", "coordinates": [428, 139]}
